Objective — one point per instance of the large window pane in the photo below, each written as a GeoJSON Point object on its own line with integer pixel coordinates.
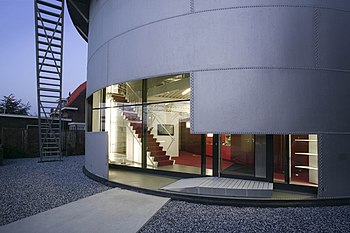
{"type": "Point", "coordinates": [168, 88]}
{"type": "Point", "coordinates": [279, 158]}
{"type": "Point", "coordinates": [237, 154]}
{"type": "Point", "coordinates": [98, 105]}
{"type": "Point", "coordinates": [169, 142]}
{"type": "Point", "coordinates": [128, 93]}
{"type": "Point", "coordinates": [124, 126]}
{"type": "Point", "coordinates": [304, 160]}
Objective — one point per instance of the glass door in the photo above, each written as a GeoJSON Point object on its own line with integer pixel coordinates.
{"type": "Point", "coordinates": [280, 159]}
{"type": "Point", "coordinates": [295, 159]}
{"type": "Point", "coordinates": [237, 154]}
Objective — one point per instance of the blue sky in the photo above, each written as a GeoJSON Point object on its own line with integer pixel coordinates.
{"type": "Point", "coordinates": [17, 53]}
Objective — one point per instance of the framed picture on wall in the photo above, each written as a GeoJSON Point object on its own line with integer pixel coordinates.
{"type": "Point", "coordinates": [165, 129]}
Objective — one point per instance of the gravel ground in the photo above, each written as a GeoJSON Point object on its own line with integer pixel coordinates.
{"type": "Point", "coordinates": [28, 187]}
{"type": "Point", "coordinates": [179, 216]}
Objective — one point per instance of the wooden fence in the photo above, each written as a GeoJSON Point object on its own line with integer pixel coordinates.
{"type": "Point", "coordinates": [21, 143]}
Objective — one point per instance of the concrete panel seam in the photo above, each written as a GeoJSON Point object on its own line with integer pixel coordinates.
{"type": "Point", "coordinates": [192, 101]}
{"type": "Point", "coordinates": [213, 10]}
{"type": "Point", "coordinates": [232, 68]}
{"type": "Point", "coordinates": [272, 68]}
{"type": "Point", "coordinates": [191, 6]}
{"type": "Point", "coordinates": [275, 6]}
{"type": "Point", "coordinates": [316, 37]}
{"type": "Point", "coordinates": [137, 27]}
{"type": "Point", "coordinates": [266, 132]}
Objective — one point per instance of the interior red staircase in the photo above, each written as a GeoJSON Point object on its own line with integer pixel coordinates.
{"type": "Point", "coordinates": [155, 149]}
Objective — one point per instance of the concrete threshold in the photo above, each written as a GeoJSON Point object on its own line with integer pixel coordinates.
{"type": "Point", "coordinates": [115, 210]}
{"type": "Point", "coordinates": [225, 187]}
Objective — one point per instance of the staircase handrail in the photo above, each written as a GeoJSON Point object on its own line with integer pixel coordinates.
{"type": "Point", "coordinates": [133, 91]}
{"type": "Point", "coordinates": [156, 117]}
{"type": "Point", "coordinates": [139, 142]}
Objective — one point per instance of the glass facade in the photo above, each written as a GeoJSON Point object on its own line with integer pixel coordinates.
{"type": "Point", "coordinates": [237, 154]}
{"type": "Point", "coordinates": [148, 125]}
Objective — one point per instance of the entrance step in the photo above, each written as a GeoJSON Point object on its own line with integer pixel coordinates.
{"type": "Point", "coordinates": [218, 186]}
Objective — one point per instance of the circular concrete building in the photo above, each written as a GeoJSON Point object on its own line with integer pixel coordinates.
{"type": "Point", "coordinates": [250, 90]}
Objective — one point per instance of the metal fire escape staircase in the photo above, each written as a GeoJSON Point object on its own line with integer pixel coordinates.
{"type": "Point", "coordinates": [49, 16]}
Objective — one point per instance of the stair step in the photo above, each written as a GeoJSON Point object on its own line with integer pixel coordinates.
{"type": "Point", "coordinates": [50, 44]}
{"type": "Point", "coordinates": [47, 36]}
{"type": "Point", "coordinates": [165, 163]}
{"type": "Point", "coordinates": [161, 158]}
{"type": "Point", "coordinates": [154, 147]}
{"type": "Point", "coordinates": [50, 96]}
{"type": "Point", "coordinates": [50, 78]}
{"type": "Point", "coordinates": [50, 71]}
{"type": "Point", "coordinates": [50, 58]}
{"type": "Point", "coordinates": [49, 12]}
{"type": "Point", "coordinates": [50, 29]}
{"type": "Point", "coordinates": [157, 153]}
{"type": "Point", "coordinates": [48, 21]}
{"type": "Point", "coordinates": [49, 65]}
{"type": "Point", "coordinates": [49, 89]}
{"type": "Point", "coordinates": [44, 50]}
{"type": "Point", "coordinates": [49, 5]}
{"type": "Point", "coordinates": [119, 99]}
{"type": "Point", "coordinates": [152, 144]}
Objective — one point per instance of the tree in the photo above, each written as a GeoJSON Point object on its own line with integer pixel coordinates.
{"type": "Point", "coordinates": [10, 105]}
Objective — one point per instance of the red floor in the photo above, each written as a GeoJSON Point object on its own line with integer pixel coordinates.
{"type": "Point", "coordinates": [190, 159]}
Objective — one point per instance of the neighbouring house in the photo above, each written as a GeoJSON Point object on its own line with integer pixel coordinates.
{"type": "Point", "coordinates": [74, 108]}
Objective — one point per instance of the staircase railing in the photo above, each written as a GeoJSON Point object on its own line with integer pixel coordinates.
{"type": "Point", "coordinates": [134, 96]}
{"type": "Point", "coordinates": [140, 144]}
{"type": "Point", "coordinates": [156, 118]}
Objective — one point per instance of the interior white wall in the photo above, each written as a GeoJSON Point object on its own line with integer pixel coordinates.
{"type": "Point", "coordinates": [170, 144]}
{"type": "Point", "coordinates": [313, 158]}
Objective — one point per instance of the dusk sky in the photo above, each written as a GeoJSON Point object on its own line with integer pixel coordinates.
{"type": "Point", "coordinates": [17, 53]}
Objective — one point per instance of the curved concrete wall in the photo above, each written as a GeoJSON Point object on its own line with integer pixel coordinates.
{"type": "Point", "coordinates": [308, 39]}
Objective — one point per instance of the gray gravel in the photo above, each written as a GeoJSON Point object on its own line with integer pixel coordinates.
{"type": "Point", "coordinates": [28, 187]}
{"type": "Point", "coordinates": [178, 216]}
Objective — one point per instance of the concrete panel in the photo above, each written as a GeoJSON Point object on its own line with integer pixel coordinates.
{"type": "Point", "coordinates": [285, 39]}
{"type": "Point", "coordinates": [95, 7]}
{"type": "Point", "coordinates": [97, 71]}
{"type": "Point", "coordinates": [333, 39]}
{"type": "Point", "coordinates": [334, 163]}
{"type": "Point", "coordinates": [204, 5]}
{"type": "Point", "coordinates": [97, 11]}
{"type": "Point", "coordinates": [114, 17]}
{"type": "Point", "coordinates": [270, 101]}
{"type": "Point", "coordinates": [96, 156]}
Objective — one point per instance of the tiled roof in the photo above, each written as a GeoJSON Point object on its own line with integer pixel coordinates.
{"type": "Point", "coordinates": [76, 93]}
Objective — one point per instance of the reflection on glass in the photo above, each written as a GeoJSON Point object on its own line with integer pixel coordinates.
{"type": "Point", "coordinates": [168, 88]}
{"type": "Point", "coordinates": [166, 147]}
{"type": "Point", "coordinates": [279, 158]}
{"type": "Point", "coordinates": [237, 154]}
{"type": "Point", "coordinates": [124, 126]}
{"type": "Point", "coordinates": [209, 153]}
{"type": "Point", "coordinates": [304, 159]}
{"type": "Point", "coordinates": [128, 93]}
